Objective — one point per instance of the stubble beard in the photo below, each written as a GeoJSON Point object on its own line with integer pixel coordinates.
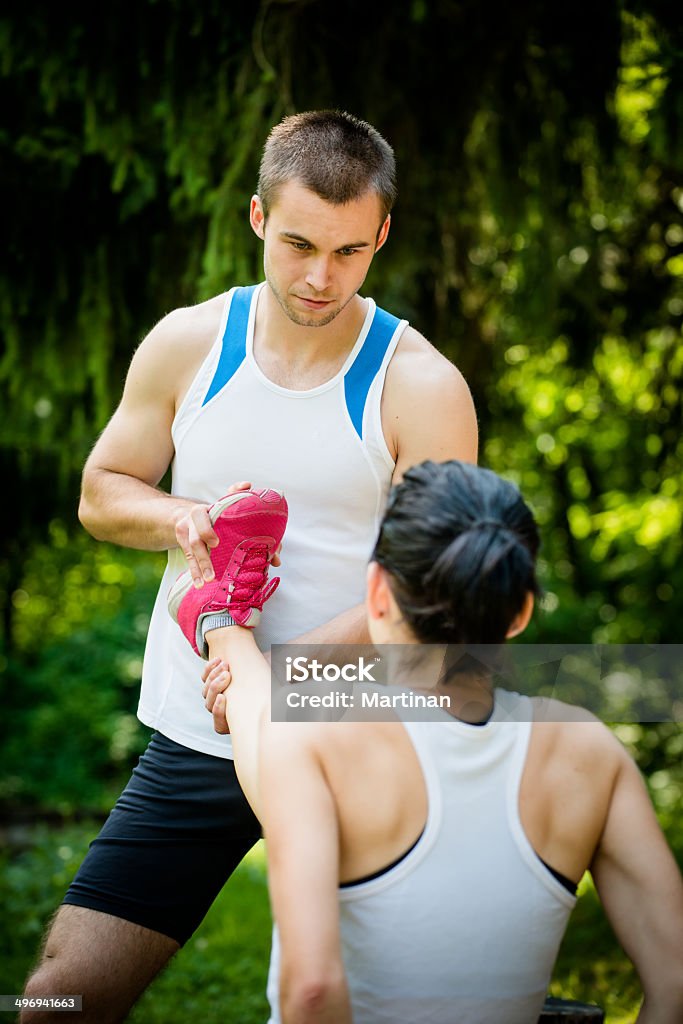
{"type": "Point", "coordinates": [300, 319]}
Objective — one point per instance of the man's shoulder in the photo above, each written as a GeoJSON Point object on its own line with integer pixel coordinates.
{"type": "Point", "coordinates": [167, 359]}
{"type": "Point", "coordinates": [427, 407]}
{"type": "Point", "coordinates": [177, 345]}
{"type": "Point", "coordinates": [418, 362]}
{"type": "Point", "coordinates": [197, 323]}
{"type": "Point", "coordinates": [419, 373]}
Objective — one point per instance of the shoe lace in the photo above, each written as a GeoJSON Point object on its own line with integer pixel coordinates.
{"type": "Point", "coordinates": [251, 584]}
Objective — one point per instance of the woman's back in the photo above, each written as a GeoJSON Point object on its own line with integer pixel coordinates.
{"type": "Point", "coordinates": [452, 822]}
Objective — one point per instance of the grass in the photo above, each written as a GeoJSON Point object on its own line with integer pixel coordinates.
{"type": "Point", "coordinates": [220, 975]}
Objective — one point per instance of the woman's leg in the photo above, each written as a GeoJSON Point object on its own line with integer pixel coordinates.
{"type": "Point", "coordinates": [246, 701]}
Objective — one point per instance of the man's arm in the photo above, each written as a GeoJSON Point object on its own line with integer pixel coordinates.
{"type": "Point", "coordinates": [301, 831]}
{"type": "Point", "coordinates": [120, 499]}
{"type": "Point", "coordinates": [349, 627]}
{"type": "Point", "coordinates": [427, 408]}
{"type": "Point", "coordinates": [641, 890]}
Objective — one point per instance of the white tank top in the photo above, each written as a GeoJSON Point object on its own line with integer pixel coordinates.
{"type": "Point", "coordinates": [323, 447]}
{"type": "Point", "coordinates": [465, 929]}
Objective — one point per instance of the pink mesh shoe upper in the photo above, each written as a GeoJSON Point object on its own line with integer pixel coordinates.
{"type": "Point", "coordinates": [249, 528]}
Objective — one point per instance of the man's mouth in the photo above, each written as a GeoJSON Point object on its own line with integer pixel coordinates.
{"type": "Point", "coordinates": [314, 303]}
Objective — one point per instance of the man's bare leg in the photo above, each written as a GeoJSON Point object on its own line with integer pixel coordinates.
{"type": "Point", "coordinates": [107, 960]}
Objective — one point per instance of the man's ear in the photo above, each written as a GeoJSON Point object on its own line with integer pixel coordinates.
{"type": "Point", "coordinates": [257, 217]}
{"type": "Point", "coordinates": [521, 619]}
{"type": "Point", "coordinates": [383, 233]}
{"type": "Point", "coordinates": [378, 598]}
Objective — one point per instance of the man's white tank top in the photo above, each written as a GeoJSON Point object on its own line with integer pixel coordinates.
{"type": "Point", "coordinates": [323, 447]}
{"type": "Point", "coordinates": [465, 929]}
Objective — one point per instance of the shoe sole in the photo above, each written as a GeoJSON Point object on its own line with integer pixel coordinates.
{"type": "Point", "coordinates": [184, 582]}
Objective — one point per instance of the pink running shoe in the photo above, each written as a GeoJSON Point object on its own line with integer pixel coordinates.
{"type": "Point", "coordinates": [249, 526]}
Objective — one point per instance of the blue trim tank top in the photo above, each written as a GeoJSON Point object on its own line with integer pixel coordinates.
{"type": "Point", "coordinates": [323, 447]}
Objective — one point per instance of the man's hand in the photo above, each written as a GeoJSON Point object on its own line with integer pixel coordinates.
{"type": "Point", "coordinates": [196, 537]}
{"type": "Point", "coordinates": [216, 678]}
{"type": "Point", "coordinates": [349, 627]}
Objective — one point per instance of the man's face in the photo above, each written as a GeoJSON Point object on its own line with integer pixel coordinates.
{"type": "Point", "coordinates": [316, 254]}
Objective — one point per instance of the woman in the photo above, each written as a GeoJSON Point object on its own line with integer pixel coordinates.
{"type": "Point", "coordinates": [425, 871]}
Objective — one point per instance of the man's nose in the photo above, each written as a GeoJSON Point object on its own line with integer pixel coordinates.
{"type": "Point", "coordinates": [318, 273]}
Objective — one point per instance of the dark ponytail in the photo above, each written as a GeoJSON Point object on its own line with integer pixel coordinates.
{"type": "Point", "coordinates": [460, 545]}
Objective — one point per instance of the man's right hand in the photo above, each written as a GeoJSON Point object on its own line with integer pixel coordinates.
{"type": "Point", "coordinates": [216, 678]}
{"type": "Point", "coordinates": [196, 537]}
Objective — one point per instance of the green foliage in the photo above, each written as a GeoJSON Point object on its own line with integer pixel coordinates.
{"type": "Point", "coordinates": [32, 884]}
{"type": "Point", "coordinates": [658, 751]}
{"type": "Point", "coordinates": [71, 685]}
{"type": "Point", "coordinates": [583, 327]}
{"type": "Point", "coordinates": [589, 966]}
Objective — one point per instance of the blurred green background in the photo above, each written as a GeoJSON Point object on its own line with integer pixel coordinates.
{"type": "Point", "coordinates": [537, 241]}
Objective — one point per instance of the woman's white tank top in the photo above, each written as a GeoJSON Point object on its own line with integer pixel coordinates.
{"type": "Point", "coordinates": [465, 929]}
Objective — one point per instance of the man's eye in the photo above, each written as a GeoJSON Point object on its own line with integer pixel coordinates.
{"type": "Point", "coordinates": [300, 246]}
{"type": "Point", "coordinates": [347, 252]}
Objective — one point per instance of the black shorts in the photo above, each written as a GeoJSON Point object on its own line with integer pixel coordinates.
{"type": "Point", "coordinates": [178, 830]}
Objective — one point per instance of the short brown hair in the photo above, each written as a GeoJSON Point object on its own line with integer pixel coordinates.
{"type": "Point", "coordinates": [330, 152]}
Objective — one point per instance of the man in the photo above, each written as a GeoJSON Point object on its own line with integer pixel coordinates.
{"type": "Point", "coordinates": [297, 382]}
